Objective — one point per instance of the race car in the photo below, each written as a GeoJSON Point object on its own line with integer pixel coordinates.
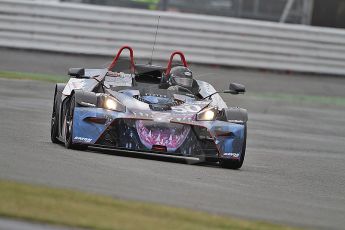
{"type": "Point", "coordinates": [149, 109]}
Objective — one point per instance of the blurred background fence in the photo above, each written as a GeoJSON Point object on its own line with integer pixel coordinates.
{"type": "Point", "coordinates": [270, 10]}
{"type": "Point", "coordinates": [330, 13]}
{"type": "Point", "coordinates": [99, 30]}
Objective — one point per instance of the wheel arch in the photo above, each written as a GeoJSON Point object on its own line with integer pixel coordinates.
{"type": "Point", "coordinates": [236, 115]}
{"type": "Point", "coordinates": [82, 97]}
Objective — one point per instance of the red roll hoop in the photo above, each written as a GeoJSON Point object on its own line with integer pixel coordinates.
{"type": "Point", "coordinates": [183, 59]}
{"type": "Point", "coordinates": [131, 53]}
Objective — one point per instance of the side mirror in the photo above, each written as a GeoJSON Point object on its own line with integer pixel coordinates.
{"type": "Point", "coordinates": [77, 72]}
{"type": "Point", "coordinates": [236, 88]}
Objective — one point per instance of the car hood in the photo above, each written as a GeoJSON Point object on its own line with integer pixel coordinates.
{"type": "Point", "coordinates": [187, 107]}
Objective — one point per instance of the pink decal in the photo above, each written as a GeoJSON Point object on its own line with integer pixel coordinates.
{"type": "Point", "coordinates": [170, 135]}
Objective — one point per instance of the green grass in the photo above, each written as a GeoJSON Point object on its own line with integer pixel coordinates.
{"type": "Point", "coordinates": [33, 76]}
{"type": "Point", "coordinates": [78, 209]}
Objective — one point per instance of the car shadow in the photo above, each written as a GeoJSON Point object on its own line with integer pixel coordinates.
{"type": "Point", "coordinates": [148, 156]}
{"type": "Point", "coordinates": [151, 156]}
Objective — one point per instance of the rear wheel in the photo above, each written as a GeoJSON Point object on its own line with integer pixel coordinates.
{"type": "Point", "coordinates": [236, 164]}
{"type": "Point", "coordinates": [69, 126]}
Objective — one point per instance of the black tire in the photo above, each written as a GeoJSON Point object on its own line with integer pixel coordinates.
{"type": "Point", "coordinates": [236, 164]}
{"type": "Point", "coordinates": [54, 129]}
{"type": "Point", "coordinates": [69, 126]}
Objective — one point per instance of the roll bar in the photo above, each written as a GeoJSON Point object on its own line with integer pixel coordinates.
{"type": "Point", "coordinates": [183, 59]}
{"type": "Point", "coordinates": [131, 54]}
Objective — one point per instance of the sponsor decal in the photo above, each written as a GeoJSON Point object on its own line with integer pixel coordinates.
{"type": "Point", "coordinates": [232, 155]}
{"type": "Point", "coordinates": [84, 139]}
{"type": "Point", "coordinates": [187, 109]}
{"type": "Point", "coordinates": [236, 121]}
{"type": "Point", "coordinates": [142, 114]}
{"type": "Point", "coordinates": [118, 79]}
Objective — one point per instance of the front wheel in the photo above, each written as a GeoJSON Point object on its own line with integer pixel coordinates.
{"type": "Point", "coordinates": [54, 125]}
{"type": "Point", "coordinates": [236, 164]}
{"type": "Point", "coordinates": [69, 126]}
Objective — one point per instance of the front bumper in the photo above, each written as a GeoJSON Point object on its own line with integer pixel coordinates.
{"type": "Point", "coordinates": [210, 139]}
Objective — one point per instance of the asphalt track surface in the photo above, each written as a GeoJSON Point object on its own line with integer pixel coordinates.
{"type": "Point", "coordinates": [7, 224]}
{"type": "Point", "coordinates": [293, 172]}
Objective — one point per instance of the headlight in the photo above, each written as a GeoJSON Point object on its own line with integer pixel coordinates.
{"type": "Point", "coordinates": [207, 115]}
{"type": "Point", "coordinates": [112, 104]}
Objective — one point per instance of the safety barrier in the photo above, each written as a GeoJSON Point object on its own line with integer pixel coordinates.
{"type": "Point", "coordinates": [90, 29]}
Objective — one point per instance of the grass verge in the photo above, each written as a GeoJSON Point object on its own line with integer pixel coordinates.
{"type": "Point", "coordinates": [33, 76]}
{"type": "Point", "coordinates": [77, 209]}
